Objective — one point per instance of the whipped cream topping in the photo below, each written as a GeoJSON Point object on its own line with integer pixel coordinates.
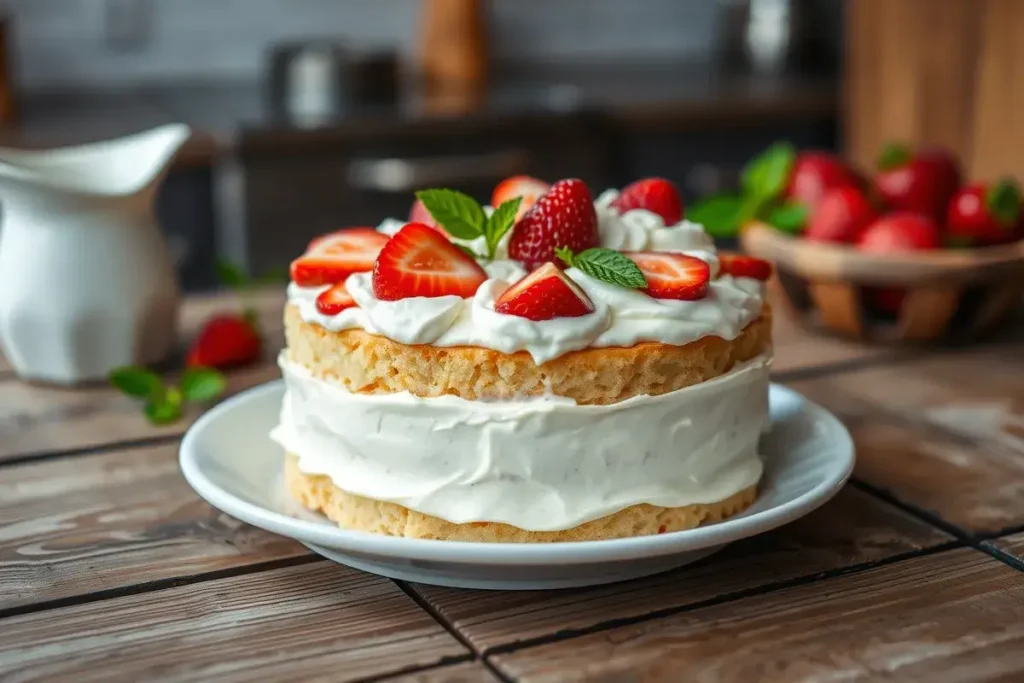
{"type": "Point", "coordinates": [621, 317]}
{"type": "Point", "coordinates": [541, 464]}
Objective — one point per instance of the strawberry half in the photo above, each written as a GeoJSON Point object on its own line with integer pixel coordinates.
{"type": "Point", "coordinates": [334, 300]}
{"type": "Point", "coordinates": [744, 266]}
{"type": "Point", "coordinates": [673, 276]}
{"type": "Point", "coordinates": [225, 341]}
{"type": "Point", "coordinates": [657, 195]}
{"type": "Point", "coordinates": [420, 261]}
{"type": "Point", "coordinates": [530, 189]}
{"type": "Point", "coordinates": [331, 258]}
{"type": "Point", "coordinates": [544, 294]}
{"type": "Point", "coordinates": [563, 217]}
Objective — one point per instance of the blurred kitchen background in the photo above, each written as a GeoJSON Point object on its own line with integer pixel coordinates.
{"type": "Point", "coordinates": [314, 114]}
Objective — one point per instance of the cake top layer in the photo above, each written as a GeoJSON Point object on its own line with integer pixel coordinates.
{"type": "Point", "coordinates": [482, 276]}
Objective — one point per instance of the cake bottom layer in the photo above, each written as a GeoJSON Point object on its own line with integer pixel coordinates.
{"type": "Point", "coordinates": [318, 493]}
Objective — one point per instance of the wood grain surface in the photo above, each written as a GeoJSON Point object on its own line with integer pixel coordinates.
{"type": "Point", "coordinates": [852, 529]}
{"type": "Point", "coordinates": [298, 623]}
{"type": "Point", "coordinates": [114, 520]}
{"type": "Point", "coordinates": [957, 616]}
{"type": "Point", "coordinates": [468, 672]}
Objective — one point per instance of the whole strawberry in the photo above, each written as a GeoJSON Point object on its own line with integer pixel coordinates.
{"type": "Point", "coordinates": [656, 195]}
{"type": "Point", "coordinates": [563, 217]}
{"type": "Point", "coordinates": [225, 341]}
{"type": "Point", "coordinates": [841, 216]}
{"type": "Point", "coordinates": [982, 215]}
{"type": "Point", "coordinates": [894, 233]}
{"type": "Point", "coordinates": [923, 182]}
{"type": "Point", "coordinates": [815, 173]}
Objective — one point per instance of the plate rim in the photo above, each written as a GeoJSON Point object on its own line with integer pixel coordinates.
{"type": "Point", "coordinates": [571, 552]}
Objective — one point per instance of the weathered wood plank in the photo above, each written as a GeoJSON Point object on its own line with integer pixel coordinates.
{"type": "Point", "coordinates": [969, 482]}
{"type": "Point", "coordinates": [74, 526]}
{"type": "Point", "coordinates": [797, 348]}
{"type": "Point", "coordinates": [314, 621]}
{"type": "Point", "coordinates": [468, 672]}
{"type": "Point", "coordinates": [1014, 545]}
{"type": "Point", "coordinates": [852, 529]}
{"type": "Point", "coordinates": [954, 616]}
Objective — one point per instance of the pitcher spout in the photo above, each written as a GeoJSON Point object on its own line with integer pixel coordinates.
{"type": "Point", "coordinates": [120, 167]}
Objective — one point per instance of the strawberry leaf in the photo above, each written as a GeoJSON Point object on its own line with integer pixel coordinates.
{"type": "Point", "coordinates": [202, 384]}
{"type": "Point", "coordinates": [499, 223]}
{"type": "Point", "coordinates": [893, 155]}
{"type": "Point", "coordinates": [608, 266]}
{"type": "Point", "coordinates": [721, 216]}
{"type": "Point", "coordinates": [1004, 203]}
{"type": "Point", "coordinates": [766, 175]}
{"type": "Point", "coordinates": [789, 217]}
{"type": "Point", "coordinates": [135, 381]}
{"type": "Point", "coordinates": [459, 214]}
{"type": "Point", "coordinates": [164, 408]}
{"type": "Point", "coordinates": [230, 275]}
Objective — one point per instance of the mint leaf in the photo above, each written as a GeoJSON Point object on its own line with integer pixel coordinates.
{"type": "Point", "coordinates": [459, 214]}
{"type": "Point", "coordinates": [138, 382]}
{"type": "Point", "coordinates": [564, 253]}
{"type": "Point", "coordinates": [230, 275]}
{"type": "Point", "coordinates": [721, 216]}
{"type": "Point", "coordinates": [1004, 203]}
{"type": "Point", "coordinates": [893, 155]}
{"type": "Point", "coordinates": [789, 217]}
{"type": "Point", "coordinates": [500, 222]}
{"type": "Point", "coordinates": [609, 266]}
{"type": "Point", "coordinates": [164, 408]}
{"type": "Point", "coordinates": [274, 276]}
{"type": "Point", "coordinates": [766, 175]}
{"type": "Point", "coordinates": [202, 384]}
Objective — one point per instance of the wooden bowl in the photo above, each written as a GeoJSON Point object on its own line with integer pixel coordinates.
{"type": "Point", "coordinates": [950, 296]}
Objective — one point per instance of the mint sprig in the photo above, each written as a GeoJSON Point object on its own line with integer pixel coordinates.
{"type": "Point", "coordinates": [462, 217]}
{"type": "Point", "coordinates": [164, 404]}
{"type": "Point", "coordinates": [606, 265]}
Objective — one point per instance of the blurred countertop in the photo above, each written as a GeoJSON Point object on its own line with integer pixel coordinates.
{"type": "Point", "coordinates": [228, 115]}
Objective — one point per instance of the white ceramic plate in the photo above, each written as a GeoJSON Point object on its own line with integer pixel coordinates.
{"type": "Point", "coordinates": [229, 460]}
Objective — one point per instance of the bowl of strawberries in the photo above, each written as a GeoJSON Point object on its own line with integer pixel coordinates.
{"type": "Point", "coordinates": [908, 253]}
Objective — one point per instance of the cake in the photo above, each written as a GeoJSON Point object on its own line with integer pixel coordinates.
{"type": "Point", "coordinates": [552, 369]}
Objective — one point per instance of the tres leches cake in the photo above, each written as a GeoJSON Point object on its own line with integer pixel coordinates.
{"type": "Point", "coordinates": [553, 369]}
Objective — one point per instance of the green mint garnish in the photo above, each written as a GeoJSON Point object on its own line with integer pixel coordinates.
{"type": "Point", "coordinates": [606, 265]}
{"type": "Point", "coordinates": [163, 404]}
{"type": "Point", "coordinates": [766, 175]}
{"type": "Point", "coordinates": [1003, 201]}
{"type": "Point", "coordinates": [463, 218]}
{"type": "Point", "coordinates": [787, 217]}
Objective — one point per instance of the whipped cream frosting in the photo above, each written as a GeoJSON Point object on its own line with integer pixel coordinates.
{"type": "Point", "coordinates": [621, 317]}
{"type": "Point", "coordinates": [541, 464]}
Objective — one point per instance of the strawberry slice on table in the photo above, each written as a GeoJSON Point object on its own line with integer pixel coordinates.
{"type": "Point", "coordinates": [420, 261]}
{"type": "Point", "coordinates": [225, 341]}
{"type": "Point", "coordinates": [657, 195]}
{"type": "Point", "coordinates": [982, 215]}
{"type": "Point", "coordinates": [744, 266]}
{"type": "Point", "coordinates": [530, 189]}
{"type": "Point", "coordinates": [334, 300]}
{"type": "Point", "coordinates": [331, 258]}
{"type": "Point", "coordinates": [544, 294]}
{"type": "Point", "coordinates": [564, 216]}
{"type": "Point", "coordinates": [672, 276]}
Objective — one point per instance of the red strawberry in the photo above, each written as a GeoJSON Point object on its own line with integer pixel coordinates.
{"type": "Point", "coordinates": [225, 341]}
{"type": "Point", "coordinates": [544, 294]}
{"type": "Point", "coordinates": [657, 195]}
{"type": "Point", "coordinates": [420, 261]}
{"type": "Point", "coordinates": [530, 189]}
{"type": "Point", "coordinates": [673, 276]}
{"type": "Point", "coordinates": [744, 266]}
{"type": "Point", "coordinates": [334, 300]}
{"type": "Point", "coordinates": [332, 258]}
{"type": "Point", "coordinates": [841, 216]}
{"type": "Point", "coordinates": [419, 214]}
{"type": "Point", "coordinates": [892, 233]}
{"type": "Point", "coordinates": [922, 182]}
{"type": "Point", "coordinates": [814, 173]}
{"type": "Point", "coordinates": [981, 215]}
{"type": "Point", "coordinates": [563, 217]}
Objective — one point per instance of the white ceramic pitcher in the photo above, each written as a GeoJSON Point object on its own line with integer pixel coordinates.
{"type": "Point", "coordinates": [87, 282]}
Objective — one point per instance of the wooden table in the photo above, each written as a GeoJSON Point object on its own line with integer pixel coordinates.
{"type": "Point", "coordinates": [112, 569]}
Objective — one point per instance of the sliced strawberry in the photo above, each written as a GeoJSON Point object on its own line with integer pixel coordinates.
{"type": "Point", "coordinates": [544, 294]}
{"type": "Point", "coordinates": [419, 214]}
{"type": "Point", "coordinates": [563, 217]}
{"type": "Point", "coordinates": [420, 261]}
{"type": "Point", "coordinates": [332, 258]}
{"type": "Point", "coordinates": [673, 276]}
{"type": "Point", "coordinates": [744, 266]}
{"type": "Point", "coordinates": [530, 189]}
{"type": "Point", "coordinates": [225, 341]}
{"type": "Point", "coordinates": [334, 300]}
{"type": "Point", "coordinates": [657, 195]}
